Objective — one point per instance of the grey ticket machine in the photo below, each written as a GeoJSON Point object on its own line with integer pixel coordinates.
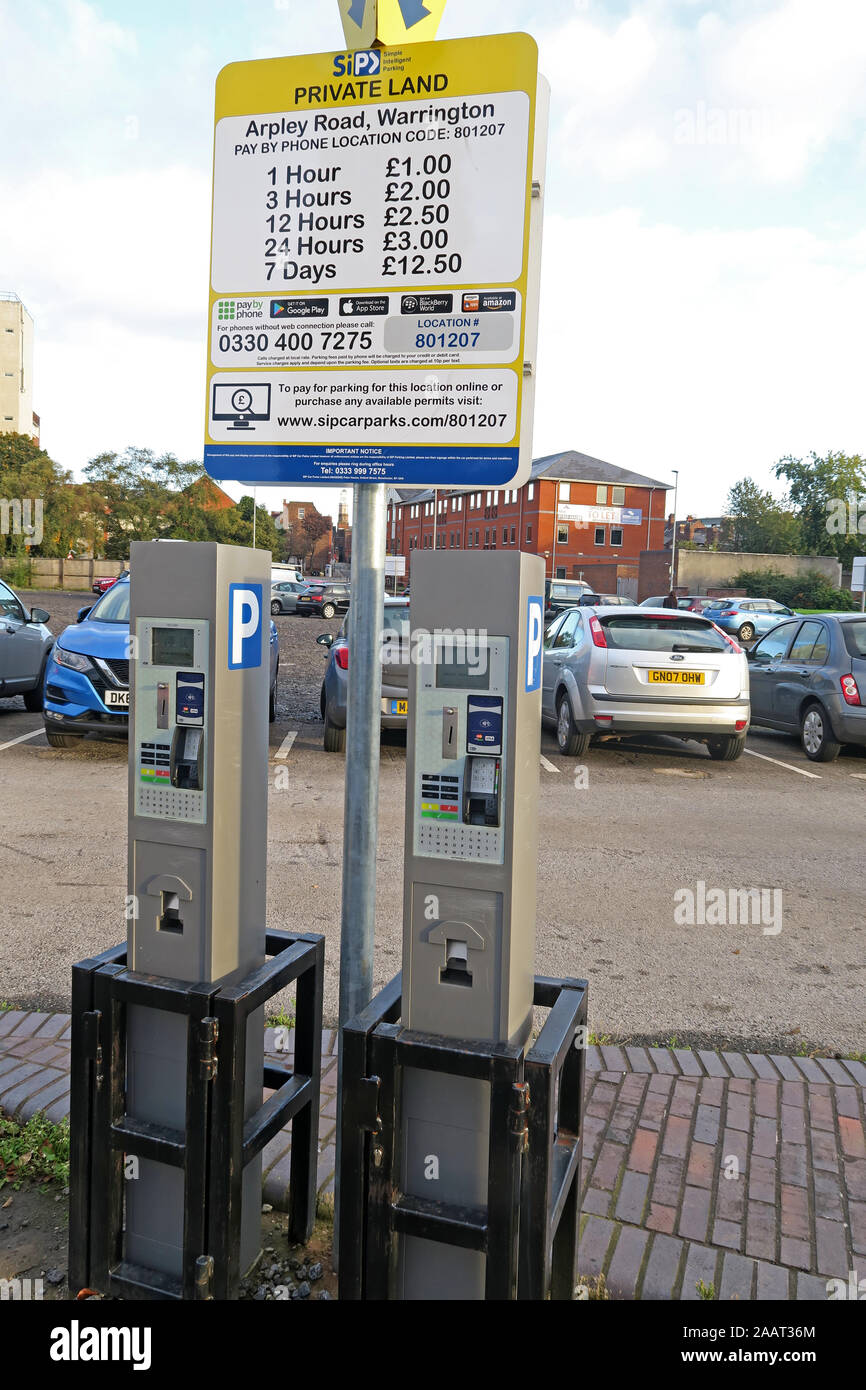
{"type": "Point", "coordinates": [198, 752]}
{"type": "Point", "coordinates": [470, 870]}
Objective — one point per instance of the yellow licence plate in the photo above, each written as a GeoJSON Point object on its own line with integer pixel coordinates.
{"type": "Point", "coordinates": [677, 678]}
{"type": "Point", "coordinates": [399, 706]}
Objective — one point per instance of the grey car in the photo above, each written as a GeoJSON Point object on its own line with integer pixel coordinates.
{"type": "Point", "coordinates": [642, 670]}
{"type": "Point", "coordinates": [395, 674]}
{"type": "Point", "coordinates": [25, 643]}
{"type": "Point", "coordinates": [284, 595]}
{"type": "Point", "coordinates": [808, 677]}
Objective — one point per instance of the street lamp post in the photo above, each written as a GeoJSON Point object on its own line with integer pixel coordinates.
{"type": "Point", "coordinates": [676, 473]}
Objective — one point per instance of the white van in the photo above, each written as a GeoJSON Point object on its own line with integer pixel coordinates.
{"type": "Point", "coordinates": [280, 573]}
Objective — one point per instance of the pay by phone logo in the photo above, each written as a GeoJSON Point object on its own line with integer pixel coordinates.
{"type": "Point", "coordinates": [245, 626]}
{"type": "Point", "coordinates": [534, 631]}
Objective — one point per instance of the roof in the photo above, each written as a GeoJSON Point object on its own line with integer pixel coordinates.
{"type": "Point", "coordinates": [574, 467]}
{"type": "Point", "coordinates": [569, 467]}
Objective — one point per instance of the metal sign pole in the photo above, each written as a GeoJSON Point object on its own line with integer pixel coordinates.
{"type": "Point", "coordinates": [361, 804]}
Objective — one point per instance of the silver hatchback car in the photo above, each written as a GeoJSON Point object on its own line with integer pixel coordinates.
{"type": "Point", "coordinates": [640, 670]}
{"type": "Point", "coordinates": [25, 645]}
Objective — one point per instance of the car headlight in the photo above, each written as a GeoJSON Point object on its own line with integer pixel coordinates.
{"type": "Point", "coordinates": [75, 660]}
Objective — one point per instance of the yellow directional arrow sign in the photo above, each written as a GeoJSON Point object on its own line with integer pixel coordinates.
{"type": "Point", "coordinates": [389, 21]}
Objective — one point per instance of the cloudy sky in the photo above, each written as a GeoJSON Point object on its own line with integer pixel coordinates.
{"type": "Point", "coordinates": [704, 283]}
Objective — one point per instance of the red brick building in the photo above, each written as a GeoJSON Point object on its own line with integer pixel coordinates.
{"type": "Point", "coordinates": [587, 518]}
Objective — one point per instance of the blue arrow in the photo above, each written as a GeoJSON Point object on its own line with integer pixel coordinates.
{"type": "Point", "coordinates": [412, 11]}
{"type": "Point", "coordinates": [356, 11]}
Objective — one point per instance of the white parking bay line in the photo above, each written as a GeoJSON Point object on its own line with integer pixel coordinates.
{"type": "Point", "coordinates": [548, 767]}
{"type": "Point", "coordinates": [860, 775]}
{"type": "Point", "coordinates": [790, 766]}
{"type": "Point", "coordinates": [22, 738]}
{"type": "Point", "coordinates": [285, 747]}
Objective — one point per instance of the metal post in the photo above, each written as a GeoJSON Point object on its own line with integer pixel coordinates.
{"type": "Point", "coordinates": [361, 805]}
{"type": "Point", "coordinates": [254, 518]}
{"type": "Point", "coordinates": [676, 473]}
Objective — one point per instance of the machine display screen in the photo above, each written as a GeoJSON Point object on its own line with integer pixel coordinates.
{"type": "Point", "coordinates": [454, 673]}
{"type": "Point", "coordinates": [172, 646]}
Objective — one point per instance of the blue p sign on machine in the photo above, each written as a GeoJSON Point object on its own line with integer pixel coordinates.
{"type": "Point", "coordinates": [245, 626]}
{"type": "Point", "coordinates": [534, 630]}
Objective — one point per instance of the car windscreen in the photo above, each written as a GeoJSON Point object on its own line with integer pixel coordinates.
{"type": "Point", "coordinates": [855, 637]}
{"type": "Point", "coordinates": [113, 607]}
{"type": "Point", "coordinates": [679, 633]}
{"type": "Point", "coordinates": [396, 622]}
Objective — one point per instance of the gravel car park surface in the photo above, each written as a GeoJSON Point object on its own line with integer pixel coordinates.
{"type": "Point", "coordinates": [621, 831]}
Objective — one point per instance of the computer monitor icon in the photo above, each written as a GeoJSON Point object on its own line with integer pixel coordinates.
{"type": "Point", "coordinates": [242, 403]}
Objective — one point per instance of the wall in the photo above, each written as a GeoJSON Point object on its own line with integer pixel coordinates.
{"type": "Point", "coordinates": [699, 570]}
{"type": "Point", "coordinates": [65, 574]}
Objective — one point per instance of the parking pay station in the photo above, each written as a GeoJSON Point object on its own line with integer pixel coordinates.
{"type": "Point", "coordinates": [441, 1177]}
{"type": "Point", "coordinates": [167, 1117]}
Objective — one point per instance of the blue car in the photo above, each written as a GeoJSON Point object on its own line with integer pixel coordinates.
{"type": "Point", "coordinates": [746, 618]}
{"type": "Point", "coordinates": [87, 675]}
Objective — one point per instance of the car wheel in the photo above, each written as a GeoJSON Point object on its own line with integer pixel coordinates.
{"type": "Point", "coordinates": [35, 699]}
{"type": "Point", "coordinates": [746, 632]}
{"type": "Point", "coordinates": [728, 749]}
{"type": "Point", "coordinates": [276, 606]}
{"type": "Point", "coordinates": [335, 739]}
{"type": "Point", "coordinates": [571, 742]}
{"type": "Point", "coordinates": [816, 735]}
{"type": "Point", "coordinates": [328, 610]}
{"type": "Point", "coordinates": [58, 740]}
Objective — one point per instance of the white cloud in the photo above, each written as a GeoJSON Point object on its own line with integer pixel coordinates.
{"type": "Point", "coordinates": [712, 352]}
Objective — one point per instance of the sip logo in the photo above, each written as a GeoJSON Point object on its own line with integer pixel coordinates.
{"type": "Point", "coordinates": [365, 62]}
{"type": "Point", "coordinates": [245, 626]}
{"type": "Point", "coordinates": [534, 630]}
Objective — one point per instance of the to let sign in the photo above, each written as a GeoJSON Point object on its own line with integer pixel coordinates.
{"type": "Point", "coordinates": [371, 266]}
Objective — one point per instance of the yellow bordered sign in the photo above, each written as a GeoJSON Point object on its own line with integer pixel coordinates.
{"type": "Point", "coordinates": [370, 263]}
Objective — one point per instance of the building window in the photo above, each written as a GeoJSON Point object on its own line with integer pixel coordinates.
{"type": "Point", "coordinates": [505, 535]}
{"type": "Point", "coordinates": [530, 492]}
{"type": "Point", "coordinates": [512, 535]}
{"type": "Point", "coordinates": [601, 495]}
{"type": "Point", "coordinates": [458, 541]}
{"type": "Point", "coordinates": [560, 571]}
{"type": "Point", "coordinates": [616, 535]}
{"type": "Point", "coordinates": [451, 541]}
{"type": "Point", "coordinates": [562, 534]}
{"type": "Point", "coordinates": [618, 496]}
{"type": "Point", "coordinates": [528, 534]}
{"type": "Point", "coordinates": [599, 535]}
{"type": "Point", "coordinates": [486, 536]}
{"type": "Point", "coordinates": [564, 491]}
{"type": "Point", "coordinates": [300, 513]}
{"type": "Point", "coordinates": [469, 540]}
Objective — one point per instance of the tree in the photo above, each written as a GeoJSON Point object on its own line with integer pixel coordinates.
{"type": "Point", "coordinates": [760, 523]}
{"type": "Point", "coordinates": [137, 491]}
{"type": "Point", "coordinates": [267, 535]}
{"type": "Point", "coordinates": [306, 535]}
{"type": "Point", "coordinates": [41, 495]}
{"type": "Point", "coordinates": [828, 494]}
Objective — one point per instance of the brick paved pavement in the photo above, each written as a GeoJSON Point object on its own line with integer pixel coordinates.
{"type": "Point", "coordinates": [747, 1172]}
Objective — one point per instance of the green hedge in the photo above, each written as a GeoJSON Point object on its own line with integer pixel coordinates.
{"type": "Point", "coordinates": [809, 590]}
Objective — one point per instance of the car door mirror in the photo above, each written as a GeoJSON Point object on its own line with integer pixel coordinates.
{"type": "Point", "coordinates": [324, 639]}
{"type": "Point", "coordinates": [82, 614]}
{"type": "Point", "coordinates": [39, 615]}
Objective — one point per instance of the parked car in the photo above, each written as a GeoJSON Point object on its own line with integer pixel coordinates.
{"type": "Point", "coordinates": [563, 593]}
{"type": "Point", "coordinates": [696, 603]}
{"type": "Point", "coordinates": [284, 596]}
{"type": "Point", "coordinates": [606, 601]}
{"type": "Point", "coordinates": [395, 675]}
{"type": "Point", "coordinates": [808, 677]}
{"type": "Point", "coordinates": [101, 586]}
{"type": "Point", "coordinates": [25, 645]}
{"type": "Point", "coordinates": [748, 617]}
{"type": "Point", "coordinates": [637, 671]}
{"type": "Point", "coordinates": [325, 599]}
{"type": "Point", "coordinates": [87, 676]}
